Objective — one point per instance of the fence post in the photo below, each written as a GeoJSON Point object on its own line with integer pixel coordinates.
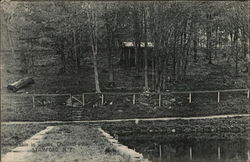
{"type": "Point", "coordinates": [33, 102]}
{"type": "Point", "coordinates": [248, 93]}
{"type": "Point", "coordinates": [190, 97]}
{"type": "Point", "coordinates": [218, 152]}
{"type": "Point", "coordinates": [190, 153]}
{"type": "Point", "coordinates": [133, 98]}
{"type": "Point", "coordinates": [102, 99]}
{"type": "Point", "coordinates": [218, 99]}
{"type": "Point", "coordinates": [159, 99]}
{"type": "Point", "coordinates": [83, 100]}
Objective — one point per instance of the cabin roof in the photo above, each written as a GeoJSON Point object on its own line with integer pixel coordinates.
{"type": "Point", "coordinates": [132, 44]}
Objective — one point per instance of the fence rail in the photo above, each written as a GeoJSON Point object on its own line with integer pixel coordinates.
{"type": "Point", "coordinates": [133, 94]}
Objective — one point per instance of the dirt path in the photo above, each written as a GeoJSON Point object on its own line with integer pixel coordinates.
{"type": "Point", "coordinates": [64, 143]}
{"type": "Point", "coordinates": [135, 119]}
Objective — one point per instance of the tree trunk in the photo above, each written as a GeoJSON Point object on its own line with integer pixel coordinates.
{"type": "Point", "coordinates": [157, 70]}
{"type": "Point", "coordinates": [164, 73]}
{"type": "Point", "coordinates": [153, 72]}
{"type": "Point", "coordinates": [195, 42]}
{"type": "Point", "coordinates": [146, 67]}
{"type": "Point", "coordinates": [97, 86]}
{"type": "Point", "coordinates": [61, 51]}
{"type": "Point", "coordinates": [209, 41]}
{"type": "Point", "coordinates": [110, 60]}
{"type": "Point", "coordinates": [20, 84]}
{"type": "Point", "coordinates": [11, 42]}
{"type": "Point", "coordinates": [174, 56]}
{"type": "Point", "coordinates": [92, 23]}
{"type": "Point", "coordinates": [236, 51]}
{"type": "Point", "coordinates": [146, 51]}
{"type": "Point", "coordinates": [77, 63]}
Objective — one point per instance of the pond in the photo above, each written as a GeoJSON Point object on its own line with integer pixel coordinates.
{"type": "Point", "coordinates": [159, 148]}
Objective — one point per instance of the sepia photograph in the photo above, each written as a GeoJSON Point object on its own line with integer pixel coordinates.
{"type": "Point", "coordinates": [125, 81]}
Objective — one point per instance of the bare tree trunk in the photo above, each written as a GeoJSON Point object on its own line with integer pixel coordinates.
{"type": "Point", "coordinates": [236, 51]}
{"type": "Point", "coordinates": [137, 34]}
{"type": "Point", "coordinates": [136, 57]}
{"type": "Point", "coordinates": [11, 42]}
{"type": "Point", "coordinates": [209, 41]}
{"type": "Point", "coordinates": [146, 67]}
{"type": "Point", "coordinates": [110, 60]}
{"type": "Point", "coordinates": [245, 43]}
{"type": "Point", "coordinates": [97, 86]}
{"type": "Point", "coordinates": [77, 63]}
{"type": "Point", "coordinates": [164, 74]}
{"type": "Point", "coordinates": [153, 72]}
{"type": "Point", "coordinates": [92, 22]}
{"type": "Point", "coordinates": [61, 52]}
{"type": "Point", "coordinates": [195, 42]}
{"type": "Point", "coordinates": [146, 50]}
{"type": "Point", "coordinates": [157, 70]}
{"type": "Point", "coordinates": [174, 56]}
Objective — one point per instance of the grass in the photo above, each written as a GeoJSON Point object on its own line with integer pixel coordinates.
{"type": "Point", "coordinates": [226, 128]}
{"type": "Point", "coordinates": [200, 76]}
{"type": "Point", "coordinates": [71, 142]}
{"type": "Point", "coordinates": [122, 107]}
{"type": "Point", "coordinates": [14, 135]}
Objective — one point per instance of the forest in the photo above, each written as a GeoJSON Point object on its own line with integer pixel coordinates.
{"type": "Point", "coordinates": [157, 80]}
{"type": "Point", "coordinates": [87, 32]}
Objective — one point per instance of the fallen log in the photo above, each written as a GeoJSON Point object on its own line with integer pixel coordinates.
{"type": "Point", "coordinates": [20, 84]}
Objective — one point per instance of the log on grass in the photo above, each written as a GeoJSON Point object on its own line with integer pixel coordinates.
{"type": "Point", "coordinates": [20, 84]}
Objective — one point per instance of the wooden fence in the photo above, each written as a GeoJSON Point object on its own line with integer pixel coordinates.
{"type": "Point", "coordinates": [133, 94]}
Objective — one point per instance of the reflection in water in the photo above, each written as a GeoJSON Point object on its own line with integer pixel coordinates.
{"type": "Point", "coordinates": [162, 148]}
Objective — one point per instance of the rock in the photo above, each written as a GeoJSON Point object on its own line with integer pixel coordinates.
{"type": "Point", "coordinates": [111, 84]}
{"type": "Point", "coordinates": [172, 100]}
{"type": "Point", "coordinates": [20, 91]}
{"type": "Point", "coordinates": [68, 102]}
{"type": "Point", "coordinates": [173, 130]}
{"type": "Point", "coordinates": [120, 111]}
{"type": "Point", "coordinates": [144, 104]}
{"type": "Point", "coordinates": [95, 105]}
{"type": "Point", "coordinates": [165, 102]}
{"type": "Point", "coordinates": [77, 104]}
{"type": "Point", "coordinates": [109, 150]}
{"type": "Point", "coordinates": [128, 100]}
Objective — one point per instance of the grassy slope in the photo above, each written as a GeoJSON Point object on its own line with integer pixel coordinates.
{"type": "Point", "coordinates": [200, 76]}
{"type": "Point", "coordinates": [86, 144]}
{"type": "Point", "coordinates": [13, 135]}
{"type": "Point", "coordinates": [82, 143]}
{"type": "Point", "coordinates": [209, 128]}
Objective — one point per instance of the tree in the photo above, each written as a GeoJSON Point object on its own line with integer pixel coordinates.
{"type": "Point", "coordinates": [145, 25]}
{"type": "Point", "coordinates": [93, 27]}
{"type": "Point", "coordinates": [111, 23]}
